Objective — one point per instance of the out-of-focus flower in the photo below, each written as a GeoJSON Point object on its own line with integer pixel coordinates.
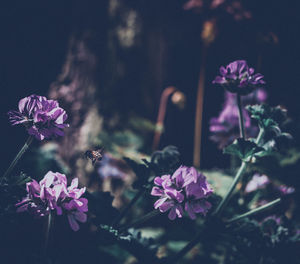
{"type": "Point", "coordinates": [43, 118]}
{"type": "Point", "coordinates": [225, 128]}
{"type": "Point", "coordinates": [52, 193]}
{"type": "Point", "coordinates": [257, 182]}
{"type": "Point", "coordinates": [284, 190]}
{"type": "Point", "coordinates": [237, 77]}
{"type": "Point", "coordinates": [112, 167]}
{"type": "Point", "coordinates": [234, 8]}
{"type": "Point", "coordinates": [185, 187]}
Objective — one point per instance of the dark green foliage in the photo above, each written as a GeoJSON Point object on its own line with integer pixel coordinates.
{"type": "Point", "coordinates": [268, 118]}
{"type": "Point", "coordinates": [142, 172]}
{"type": "Point", "coordinates": [269, 241]}
{"type": "Point", "coordinates": [11, 191]}
{"type": "Point", "coordinates": [143, 249]}
{"type": "Point", "coordinates": [165, 161]}
{"type": "Point", "coordinates": [100, 207]}
{"type": "Point", "coordinates": [244, 149]}
{"type": "Point", "coordinates": [162, 162]}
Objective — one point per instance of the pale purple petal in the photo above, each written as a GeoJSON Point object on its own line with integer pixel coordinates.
{"type": "Point", "coordinates": [73, 223]}
{"type": "Point", "coordinates": [156, 191]}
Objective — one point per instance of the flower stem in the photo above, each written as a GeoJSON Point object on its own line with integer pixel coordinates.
{"type": "Point", "coordinates": [255, 211]}
{"type": "Point", "coordinates": [243, 166]}
{"type": "Point", "coordinates": [237, 177]}
{"type": "Point", "coordinates": [260, 136]}
{"type": "Point", "coordinates": [127, 208]}
{"type": "Point", "coordinates": [220, 207]}
{"type": "Point", "coordinates": [141, 220]}
{"type": "Point", "coordinates": [47, 232]}
{"type": "Point", "coordinates": [241, 117]}
{"type": "Point", "coordinates": [17, 158]}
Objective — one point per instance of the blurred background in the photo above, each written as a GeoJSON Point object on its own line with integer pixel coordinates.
{"type": "Point", "coordinates": [128, 73]}
{"type": "Point", "coordinates": [108, 63]}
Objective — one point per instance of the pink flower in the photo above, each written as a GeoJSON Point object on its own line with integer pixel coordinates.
{"type": "Point", "coordinates": [52, 193]}
{"type": "Point", "coordinates": [185, 187]}
{"type": "Point", "coordinates": [42, 118]}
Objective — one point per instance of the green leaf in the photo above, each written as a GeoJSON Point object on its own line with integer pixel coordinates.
{"type": "Point", "coordinates": [142, 172]}
{"type": "Point", "coordinates": [244, 149]}
{"type": "Point", "coordinates": [268, 148]}
{"type": "Point", "coordinates": [269, 118]}
{"type": "Point", "coordinates": [165, 161]}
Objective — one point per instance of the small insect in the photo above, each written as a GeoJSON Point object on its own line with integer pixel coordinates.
{"type": "Point", "coordinates": [94, 155]}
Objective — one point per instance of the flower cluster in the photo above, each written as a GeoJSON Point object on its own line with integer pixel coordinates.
{"type": "Point", "coordinates": [185, 187]}
{"type": "Point", "coordinates": [239, 78]}
{"type": "Point", "coordinates": [52, 193]}
{"type": "Point", "coordinates": [225, 128]}
{"type": "Point", "coordinates": [43, 118]}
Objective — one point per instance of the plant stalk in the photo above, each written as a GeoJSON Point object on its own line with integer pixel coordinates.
{"type": "Point", "coordinates": [241, 117]}
{"type": "Point", "coordinates": [128, 207]}
{"type": "Point", "coordinates": [255, 211]}
{"type": "Point", "coordinates": [17, 158]}
{"type": "Point", "coordinates": [48, 233]}
{"type": "Point", "coordinates": [199, 110]}
{"type": "Point", "coordinates": [141, 220]}
{"type": "Point", "coordinates": [237, 177]}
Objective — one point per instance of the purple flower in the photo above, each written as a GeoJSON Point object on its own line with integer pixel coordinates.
{"type": "Point", "coordinates": [112, 167]}
{"type": "Point", "coordinates": [284, 190]}
{"type": "Point", "coordinates": [257, 182]}
{"type": "Point", "coordinates": [225, 128]}
{"type": "Point", "coordinates": [52, 193]}
{"type": "Point", "coordinates": [185, 187]}
{"type": "Point", "coordinates": [237, 77]}
{"type": "Point", "coordinates": [43, 118]}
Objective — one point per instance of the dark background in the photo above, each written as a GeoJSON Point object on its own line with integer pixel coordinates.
{"type": "Point", "coordinates": [35, 37]}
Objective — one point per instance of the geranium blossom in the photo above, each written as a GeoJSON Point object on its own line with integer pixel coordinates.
{"type": "Point", "coordinates": [186, 188]}
{"type": "Point", "coordinates": [238, 77]}
{"type": "Point", "coordinates": [42, 118]}
{"type": "Point", "coordinates": [52, 193]}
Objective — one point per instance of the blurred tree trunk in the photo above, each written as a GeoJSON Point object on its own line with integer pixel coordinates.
{"type": "Point", "coordinates": [76, 86]}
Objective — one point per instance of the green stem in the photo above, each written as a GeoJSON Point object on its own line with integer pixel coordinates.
{"type": "Point", "coordinates": [127, 208]}
{"type": "Point", "coordinates": [140, 221]}
{"type": "Point", "coordinates": [17, 158]}
{"type": "Point", "coordinates": [47, 232]}
{"type": "Point", "coordinates": [260, 136]}
{"type": "Point", "coordinates": [255, 211]}
{"type": "Point", "coordinates": [237, 177]}
{"type": "Point", "coordinates": [243, 165]}
{"type": "Point", "coordinates": [220, 207]}
{"type": "Point", "coordinates": [241, 117]}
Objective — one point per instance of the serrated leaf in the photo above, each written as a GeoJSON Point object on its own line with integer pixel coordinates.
{"type": "Point", "coordinates": [269, 118]}
{"type": "Point", "coordinates": [268, 149]}
{"type": "Point", "coordinates": [244, 149]}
